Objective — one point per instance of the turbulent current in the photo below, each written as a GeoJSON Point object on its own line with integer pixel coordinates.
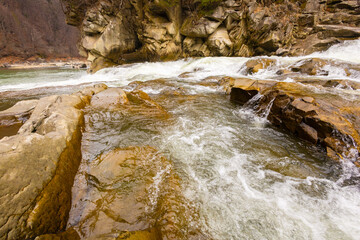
{"type": "Point", "coordinates": [245, 179]}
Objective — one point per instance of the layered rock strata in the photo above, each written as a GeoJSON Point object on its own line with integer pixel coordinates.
{"type": "Point", "coordinates": [320, 118]}
{"type": "Point", "coordinates": [123, 31]}
{"type": "Point", "coordinates": [39, 163]}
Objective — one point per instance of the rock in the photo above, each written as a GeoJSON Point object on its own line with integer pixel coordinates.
{"type": "Point", "coordinates": [129, 193]}
{"type": "Point", "coordinates": [195, 47]}
{"type": "Point", "coordinates": [168, 30]}
{"type": "Point", "coordinates": [141, 103]}
{"type": "Point", "coordinates": [134, 102]}
{"type": "Point", "coordinates": [13, 118]}
{"type": "Point", "coordinates": [310, 66]}
{"type": "Point", "coordinates": [219, 43]}
{"type": "Point", "coordinates": [36, 193]}
{"type": "Point", "coordinates": [199, 28]}
{"type": "Point", "coordinates": [306, 20]}
{"type": "Point", "coordinates": [87, 93]}
{"type": "Point", "coordinates": [308, 133]}
{"type": "Point", "coordinates": [319, 118]}
{"type": "Point", "coordinates": [109, 99]}
{"type": "Point", "coordinates": [337, 31]}
{"type": "Point", "coordinates": [254, 65]}
{"type": "Point", "coordinates": [69, 234]}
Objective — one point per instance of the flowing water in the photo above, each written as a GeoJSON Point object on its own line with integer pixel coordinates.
{"type": "Point", "coordinates": [246, 179]}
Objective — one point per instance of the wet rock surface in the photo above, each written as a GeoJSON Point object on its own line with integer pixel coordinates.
{"type": "Point", "coordinates": [321, 118]}
{"type": "Point", "coordinates": [134, 102]}
{"type": "Point", "coordinates": [129, 193]}
{"type": "Point", "coordinates": [38, 166]}
{"type": "Point", "coordinates": [13, 118]}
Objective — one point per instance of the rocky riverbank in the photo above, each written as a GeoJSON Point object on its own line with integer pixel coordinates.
{"type": "Point", "coordinates": [33, 63]}
{"type": "Point", "coordinates": [123, 31]}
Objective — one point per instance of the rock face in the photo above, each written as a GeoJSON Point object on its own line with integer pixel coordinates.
{"type": "Point", "coordinates": [38, 166]}
{"type": "Point", "coordinates": [123, 31]}
{"type": "Point", "coordinates": [324, 119]}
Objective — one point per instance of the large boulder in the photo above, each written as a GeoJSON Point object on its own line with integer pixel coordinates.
{"type": "Point", "coordinates": [38, 165]}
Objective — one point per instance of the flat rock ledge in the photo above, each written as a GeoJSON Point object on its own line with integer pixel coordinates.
{"type": "Point", "coordinates": [328, 120]}
{"type": "Point", "coordinates": [39, 163]}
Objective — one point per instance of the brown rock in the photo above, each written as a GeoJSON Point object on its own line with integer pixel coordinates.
{"type": "Point", "coordinates": [308, 133]}
{"type": "Point", "coordinates": [303, 107]}
{"type": "Point", "coordinates": [36, 193]}
{"type": "Point", "coordinates": [109, 99]}
{"type": "Point", "coordinates": [199, 28]}
{"type": "Point", "coordinates": [310, 66]}
{"type": "Point", "coordinates": [69, 234]}
{"type": "Point", "coordinates": [334, 123]}
{"type": "Point", "coordinates": [13, 118]}
{"type": "Point", "coordinates": [254, 65]}
{"type": "Point", "coordinates": [219, 43]}
{"type": "Point", "coordinates": [134, 194]}
{"type": "Point", "coordinates": [154, 29]}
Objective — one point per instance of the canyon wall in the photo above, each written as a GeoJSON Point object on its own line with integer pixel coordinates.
{"type": "Point", "coordinates": [123, 31]}
{"type": "Point", "coordinates": [36, 28]}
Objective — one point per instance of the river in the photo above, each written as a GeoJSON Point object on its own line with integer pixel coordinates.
{"type": "Point", "coordinates": [245, 178]}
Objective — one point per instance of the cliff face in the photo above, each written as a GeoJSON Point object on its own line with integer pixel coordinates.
{"type": "Point", "coordinates": [36, 28]}
{"type": "Point", "coordinates": [121, 31]}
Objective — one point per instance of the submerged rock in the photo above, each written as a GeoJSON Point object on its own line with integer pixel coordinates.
{"type": "Point", "coordinates": [134, 102]}
{"type": "Point", "coordinates": [129, 193]}
{"type": "Point", "coordinates": [38, 166]}
{"type": "Point", "coordinates": [324, 119]}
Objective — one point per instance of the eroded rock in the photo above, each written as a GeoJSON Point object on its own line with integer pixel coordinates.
{"type": "Point", "coordinates": [129, 193]}
{"type": "Point", "coordinates": [110, 98]}
{"type": "Point", "coordinates": [255, 65]}
{"type": "Point", "coordinates": [322, 119]}
{"type": "Point", "coordinates": [38, 166]}
{"type": "Point", "coordinates": [134, 102]}
{"type": "Point", "coordinates": [168, 30]}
